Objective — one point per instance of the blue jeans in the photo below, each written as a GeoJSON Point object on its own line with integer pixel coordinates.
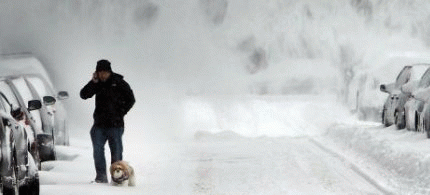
{"type": "Point", "coordinates": [99, 136]}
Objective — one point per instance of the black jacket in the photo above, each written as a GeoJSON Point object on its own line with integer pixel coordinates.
{"type": "Point", "coordinates": [114, 98]}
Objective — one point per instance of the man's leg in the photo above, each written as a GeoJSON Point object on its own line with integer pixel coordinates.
{"type": "Point", "coordinates": [115, 143]}
{"type": "Point", "coordinates": [98, 138]}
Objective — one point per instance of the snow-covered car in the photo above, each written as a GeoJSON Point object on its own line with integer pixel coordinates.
{"type": "Point", "coordinates": [44, 133]}
{"type": "Point", "coordinates": [413, 106]}
{"type": "Point", "coordinates": [365, 98]}
{"type": "Point", "coordinates": [29, 79]}
{"type": "Point", "coordinates": [18, 170]}
{"type": "Point", "coordinates": [36, 78]}
{"type": "Point", "coordinates": [30, 123]}
{"type": "Point", "coordinates": [393, 108]}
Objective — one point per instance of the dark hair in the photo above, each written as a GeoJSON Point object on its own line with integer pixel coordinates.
{"type": "Point", "coordinates": [103, 65]}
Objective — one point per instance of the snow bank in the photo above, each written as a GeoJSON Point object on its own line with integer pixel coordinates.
{"type": "Point", "coordinates": [404, 156]}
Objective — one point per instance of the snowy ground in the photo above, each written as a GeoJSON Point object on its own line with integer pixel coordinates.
{"type": "Point", "coordinates": [295, 145]}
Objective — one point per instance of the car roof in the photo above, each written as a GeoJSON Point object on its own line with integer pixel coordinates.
{"type": "Point", "coordinates": [419, 64]}
{"type": "Point", "coordinates": [22, 64]}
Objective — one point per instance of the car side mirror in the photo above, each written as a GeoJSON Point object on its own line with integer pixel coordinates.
{"type": "Point", "coordinates": [49, 100]}
{"type": "Point", "coordinates": [62, 95]}
{"type": "Point", "coordinates": [383, 88]}
{"type": "Point", "coordinates": [6, 121]}
{"type": "Point", "coordinates": [17, 114]}
{"type": "Point", "coordinates": [34, 105]}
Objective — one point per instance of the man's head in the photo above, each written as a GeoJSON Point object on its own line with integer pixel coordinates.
{"type": "Point", "coordinates": [103, 70]}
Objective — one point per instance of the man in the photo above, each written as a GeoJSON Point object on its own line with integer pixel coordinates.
{"type": "Point", "coordinates": [114, 98]}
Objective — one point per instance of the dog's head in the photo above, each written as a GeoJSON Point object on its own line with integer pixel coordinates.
{"type": "Point", "coordinates": [119, 171]}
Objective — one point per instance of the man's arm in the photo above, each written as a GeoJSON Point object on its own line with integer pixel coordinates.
{"type": "Point", "coordinates": [128, 98]}
{"type": "Point", "coordinates": [89, 90]}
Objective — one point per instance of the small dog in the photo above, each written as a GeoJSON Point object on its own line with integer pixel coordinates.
{"type": "Point", "coordinates": [122, 174]}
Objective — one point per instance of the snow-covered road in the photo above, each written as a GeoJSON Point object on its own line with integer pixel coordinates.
{"type": "Point", "coordinates": [267, 166]}
{"type": "Point", "coordinates": [212, 166]}
{"type": "Point", "coordinates": [286, 150]}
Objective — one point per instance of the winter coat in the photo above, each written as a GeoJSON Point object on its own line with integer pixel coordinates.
{"type": "Point", "coordinates": [114, 98]}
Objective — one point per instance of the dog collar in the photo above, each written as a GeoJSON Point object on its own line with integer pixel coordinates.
{"type": "Point", "coordinates": [121, 179]}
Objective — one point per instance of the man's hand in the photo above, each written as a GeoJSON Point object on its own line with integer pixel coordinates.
{"type": "Point", "coordinates": [95, 77]}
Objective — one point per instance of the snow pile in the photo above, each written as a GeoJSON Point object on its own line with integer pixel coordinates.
{"type": "Point", "coordinates": [404, 156]}
{"type": "Point", "coordinates": [256, 116]}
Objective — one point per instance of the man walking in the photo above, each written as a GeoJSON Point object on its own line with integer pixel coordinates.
{"type": "Point", "coordinates": [114, 98]}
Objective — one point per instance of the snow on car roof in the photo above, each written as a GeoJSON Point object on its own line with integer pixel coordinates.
{"type": "Point", "coordinates": [22, 64]}
{"type": "Point", "coordinates": [418, 71]}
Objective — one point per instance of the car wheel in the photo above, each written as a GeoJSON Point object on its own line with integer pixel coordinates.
{"type": "Point", "coordinates": [66, 139]}
{"type": "Point", "coordinates": [34, 151]}
{"type": "Point", "coordinates": [384, 119]}
{"type": "Point", "coordinates": [420, 127]}
{"type": "Point", "coordinates": [47, 154]}
{"type": "Point", "coordinates": [53, 154]}
{"type": "Point", "coordinates": [427, 130]}
{"type": "Point", "coordinates": [425, 126]}
{"type": "Point", "coordinates": [32, 187]}
{"type": "Point", "coordinates": [66, 135]}
{"type": "Point", "coordinates": [417, 121]}
{"type": "Point", "coordinates": [13, 188]}
{"type": "Point", "coordinates": [46, 147]}
{"type": "Point", "coordinates": [399, 120]}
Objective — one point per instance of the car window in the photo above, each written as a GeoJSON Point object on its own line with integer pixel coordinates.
{"type": "Point", "coordinates": [7, 91]}
{"type": "Point", "coordinates": [26, 95]}
{"type": "Point", "coordinates": [40, 86]}
{"type": "Point", "coordinates": [404, 76]}
{"type": "Point", "coordinates": [425, 79]}
{"type": "Point", "coordinates": [4, 105]}
{"type": "Point", "coordinates": [417, 72]}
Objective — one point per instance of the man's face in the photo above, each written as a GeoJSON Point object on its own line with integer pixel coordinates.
{"type": "Point", "coordinates": [103, 75]}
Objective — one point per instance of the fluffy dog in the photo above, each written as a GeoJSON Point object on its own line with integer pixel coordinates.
{"type": "Point", "coordinates": [122, 174]}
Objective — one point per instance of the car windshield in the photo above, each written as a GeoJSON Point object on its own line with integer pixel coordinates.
{"type": "Point", "coordinates": [7, 91]}
{"type": "Point", "coordinates": [404, 76]}
{"type": "Point", "coordinates": [425, 79]}
{"type": "Point", "coordinates": [4, 104]}
{"type": "Point", "coordinates": [26, 95]}
{"type": "Point", "coordinates": [40, 86]}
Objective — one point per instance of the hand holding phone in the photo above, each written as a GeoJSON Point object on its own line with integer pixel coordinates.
{"type": "Point", "coordinates": [95, 77]}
